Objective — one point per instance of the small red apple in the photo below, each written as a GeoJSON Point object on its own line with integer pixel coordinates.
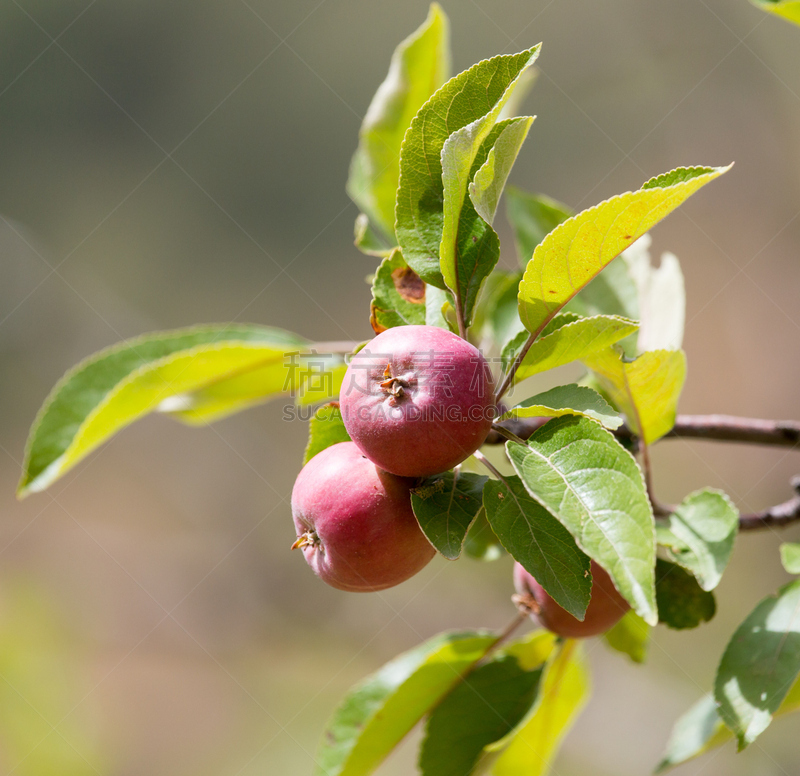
{"type": "Point", "coordinates": [354, 522]}
{"type": "Point", "coordinates": [418, 400]}
{"type": "Point", "coordinates": [606, 606]}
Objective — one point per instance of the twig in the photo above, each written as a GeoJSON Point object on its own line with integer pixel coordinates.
{"type": "Point", "coordinates": [479, 456]}
{"type": "Point", "coordinates": [776, 516]}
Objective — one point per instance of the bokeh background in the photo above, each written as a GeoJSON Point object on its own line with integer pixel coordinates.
{"type": "Point", "coordinates": [167, 163]}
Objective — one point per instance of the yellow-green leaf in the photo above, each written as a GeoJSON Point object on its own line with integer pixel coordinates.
{"type": "Point", "coordinates": [419, 66]}
{"type": "Point", "coordinates": [788, 9]}
{"type": "Point", "coordinates": [646, 390]}
{"type": "Point", "coordinates": [564, 693]}
{"type": "Point", "coordinates": [116, 386]}
{"type": "Point", "coordinates": [577, 250]}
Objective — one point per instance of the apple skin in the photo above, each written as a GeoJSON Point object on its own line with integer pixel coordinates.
{"type": "Point", "coordinates": [418, 400]}
{"type": "Point", "coordinates": [355, 523]}
{"type": "Point", "coordinates": [606, 606]}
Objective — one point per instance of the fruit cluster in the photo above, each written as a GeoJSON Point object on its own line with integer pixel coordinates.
{"type": "Point", "coordinates": [416, 401]}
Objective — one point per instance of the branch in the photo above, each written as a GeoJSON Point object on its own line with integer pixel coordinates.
{"type": "Point", "coordinates": [715, 428]}
{"type": "Point", "coordinates": [777, 516]}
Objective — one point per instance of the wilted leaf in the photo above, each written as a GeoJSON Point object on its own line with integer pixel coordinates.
{"type": "Point", "coordinates": [398, 295]}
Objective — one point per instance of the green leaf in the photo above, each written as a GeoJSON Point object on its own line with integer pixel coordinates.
{"type": "Point", "coordinates": [682, 603]}
{"type": "Point", "coordinates": [631, 636]}
{"type": "Point", "coordinates": [326, 428]}
{"type": "Point", "coordinates": [699, 535]}
{"type": "Point", "coordinates": [645, 390]}
{"type": "Point", "coordinates": [116, 386]}
{"type": "Point", "coordinates": [577, 340]}
{"type": "Point", "coordinates": [539, 542]}
{"type": "Point", "coordinates": [489, 181]}
{"type": "Point", "coordinates": [759, 665]}
{"type": "Point", "coordinates": [582, 475]}
{"type": "Point", "coordinates": [567, 400]}
{"type": "Point", "coordinates": [483, 708]}
{"type": "Point", "coordinates": [446, 506]}
{"type": "Point", "coordinates": [419, 66]}
{"type": "Point", "coordinates": [377, 713]}
{"type": "Point", "coordinates": [565, 691]}
{"type": "Point", "coordinates": [577, 250]}
{"type": "Point", "coordinates": [478, 92]}
{"type": "Point", "coordinates": [482, 542]}
{"type": "Point", "coordinates": [398, 295]}
{"type": "Point", "coordinates": [700, 729]}
{"type": "Point", "coordinates": [788, 9]}
{"type": "Point", "coordinates": [320, 377]}
{"type": "Point", "coordinates": [661, 297]}
{"type": "Point", "coordinates": [532, 217]}
{"type": "Point", "coordinates": [496, 315]}
{"type": "Point", "coordinates": [437, 305]}
{"type": "Point", "coordinates": [790, 557]}
{"type": "Point", "coordinates": [367, 239]}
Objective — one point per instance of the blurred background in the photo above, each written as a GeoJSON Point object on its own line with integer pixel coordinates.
{"type": "Point", "coordinates": [165, 164]}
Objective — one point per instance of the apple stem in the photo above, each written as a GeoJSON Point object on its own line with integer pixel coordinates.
{"type": "Point", "coordinates": [479, 456]}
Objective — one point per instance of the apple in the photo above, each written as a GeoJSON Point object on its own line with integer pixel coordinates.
{"type": "Point", "coordinates": [606, 606]}
{"type": "Point", "coordinates": [354, 522]}
{"type": "Point", "coordinates": [418, 400]}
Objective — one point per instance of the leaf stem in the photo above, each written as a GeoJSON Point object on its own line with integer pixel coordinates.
{"type": "Point", "coordinates": [510, 435]}
{"type": "Point", "coordinates": [479, 456]}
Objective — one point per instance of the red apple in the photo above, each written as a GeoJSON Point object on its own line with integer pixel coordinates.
{"type": "Point", "coordinates": [354, 522]}
{"type": "Point", "coordinates": [418, 400]}
{"type": "Point", "coordinates": [606, 606]}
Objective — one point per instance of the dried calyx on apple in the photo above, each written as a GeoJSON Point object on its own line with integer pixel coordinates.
{"type": "Point", "coordinates": [418, 400]}
{"type": "Point", "coordinates": [354, 522]}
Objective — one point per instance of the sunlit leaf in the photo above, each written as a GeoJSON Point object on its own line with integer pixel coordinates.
{"type": "Point", "coordinates": [646, 390]}
{"type": "Point", "coordinates": [567, 400]}
{"type": "Point", "coordinates": [489, 181]}
{"type": "Point", "coordinates": [445, 507]}
{"type": "Point", "coordinates": [582, 475]}
{"type": "Point", "coordinates": [483, 708]}
{"type": "Point", "coordinates": [760, 664]}
{"type": "Point", "coordinates": [419, 66]}
{"type": "Point", "coordinates": [577, 250]}
{"type": "Point", "coordinates": [576, 340]}
{"type": "Point", "coordinates": [788, 9]}
{"type": "Point", "coordinates": [398, 295]}
{"type": "Point", "coordinates": [790, 557]}
{"type": "Point", "coordinates": [700, 729]}
{"type": "Point", "coordinates": [478, 92]}
{"type": "Point", "coordinates": [700, 534]}
{"type": "Point", "coordinates": [565, 691]}
{"type": "Point", "coordinates": [539, 542]}
{"type": "Point", "coordinates": [116, 386]}
{"type": "Point", "coordinates": [631, 636]}
{"type": "Point", "coordinates": [377, 713]}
